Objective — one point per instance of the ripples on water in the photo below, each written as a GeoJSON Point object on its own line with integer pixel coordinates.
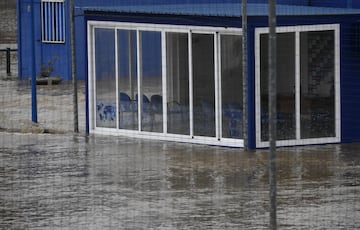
{"type": "Point", "coordinates": [74, 182]}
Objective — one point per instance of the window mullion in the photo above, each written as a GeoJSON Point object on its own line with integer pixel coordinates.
{"type": "Point", "coordinates": [217, 86]}
{"type": "Point", "coordinates": [164, 83]}
{"type": "Point", "coordinates": [117, 76]}
{"type": "Point", "coordinates": [191, 91]}
{"type": "Point", "coordinates": [297, 86]}
{"type": "Point", "coordinates": [139, 76]}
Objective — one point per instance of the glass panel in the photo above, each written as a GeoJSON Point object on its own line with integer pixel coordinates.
{"type": "Point", "coordinates": [231, 86]}
{"type": "Point", "coordinates": [151, 72]}
{"type": "Point", "coordinates": [264, 86]}
{"type": "Point", "coordinates": [128, 111]}
{"type": "Point", "coordinates": [105, 78]}
{"type": "Point", "coordinates": [177, 83]}
{"type": "Point", "coordinates": [203, 84]}
{"type": "Point", "coordinates": [286, 118]}
{"type": "Point", "coordinates": [317, 84]}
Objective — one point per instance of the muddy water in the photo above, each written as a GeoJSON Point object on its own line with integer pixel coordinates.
{"type": "Point", "coordinates": [76, 182]}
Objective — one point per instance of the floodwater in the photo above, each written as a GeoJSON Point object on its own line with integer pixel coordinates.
{"type": "Point", "coordinates": [50, 181]}
{"type": "Point", "coordinates": [73, 181]}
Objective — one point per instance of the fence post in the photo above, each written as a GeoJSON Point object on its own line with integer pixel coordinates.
{"type": "Point", "coordinates": [73, 67]}
{"type": "Point", "coordinates": [8, 61]}
{"type": "Point", "coordinates": [245, 74]}
{"type": "Point", "coordinates": [34, 117]}
{"type": "Point", "coordinates": [272, 112]}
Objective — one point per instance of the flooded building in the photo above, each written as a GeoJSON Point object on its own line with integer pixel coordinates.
{"type": "Point", "coordinates": [170, 70]}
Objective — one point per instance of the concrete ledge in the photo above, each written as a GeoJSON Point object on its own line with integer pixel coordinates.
{"type": "Point", "coordinates": [48, 80]}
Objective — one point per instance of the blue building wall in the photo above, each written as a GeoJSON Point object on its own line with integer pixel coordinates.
{"type": "Point", "coordinates": [350, 48]}
{"type": "Point", "coordinates": [350, 57]}
{"type": "Point", "coordinates": [59, 54]}
{"type": "Point", "coordinates": [25, 40]}
{"type": "Point", "coordinates": [47, 52]}
{"type": "Point", "coordinates": [350, 81]}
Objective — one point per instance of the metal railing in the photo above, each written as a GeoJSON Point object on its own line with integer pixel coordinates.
{"type": "Point", "coordinates": [8, 58]}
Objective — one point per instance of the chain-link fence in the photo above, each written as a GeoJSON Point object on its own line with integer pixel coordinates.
{"type": "Point", "coordinates": [187, 60]}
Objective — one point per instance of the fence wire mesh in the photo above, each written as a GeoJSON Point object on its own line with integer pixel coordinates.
{"type": "Point", "coordinates": [131, 172]}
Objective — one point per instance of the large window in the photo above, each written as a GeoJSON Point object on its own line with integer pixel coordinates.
{"type": "Point", "coordinates": [166, 82]}
{"type": "Point", "coordinates": [53, 21]}
{"type": "Point", "coordinates": [308, 90]}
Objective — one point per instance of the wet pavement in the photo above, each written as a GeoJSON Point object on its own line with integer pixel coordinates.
{"type": "Point", "coordinates": [67, 181]}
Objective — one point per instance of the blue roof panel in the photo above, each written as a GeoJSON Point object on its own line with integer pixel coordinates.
{"type": "Point", "coordinates": [224, 9]}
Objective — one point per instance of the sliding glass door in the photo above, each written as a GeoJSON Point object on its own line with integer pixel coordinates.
{"type": "Point", "coordinates": [317, 69]}
{"type": "Point", "coordinates": [203, 84]}
{"type": "Point", "coordinates": [173, 84]}
{"type": "Point", "coordinates": [105, 77]}
{"type": "Point", "coordinates": [231, 86]}
{"type": "Point", "coordinates": [151, 99]}
{"type": "Point", "coordinates": [177, 80]}
{"type": "Point", "coordinates": [308, 90]}
{"type": "Point", "coordinates": [286, 119]}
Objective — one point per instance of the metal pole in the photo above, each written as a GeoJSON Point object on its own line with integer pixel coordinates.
{"type": "Point", "coordinates": [33, 69]}
{"type": "Point", "coordinates": [245, 73]}
{"type": "Point", "coordinates": [272, 111]}
{"type": "Point", "coordinates": [8, 71]}
{"type": "Point", "coordinates": [73, 67]}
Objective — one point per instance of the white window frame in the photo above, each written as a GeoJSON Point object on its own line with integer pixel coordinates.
{"type": "Point", "coordinates": [216, 31]}
{"type": "Point", "coordinates": [54, 33]}
{"type": "Point", "coordinates": [297, 30]}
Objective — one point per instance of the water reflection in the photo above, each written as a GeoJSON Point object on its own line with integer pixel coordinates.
{"type": "Point", "coordinates": [67, 182]}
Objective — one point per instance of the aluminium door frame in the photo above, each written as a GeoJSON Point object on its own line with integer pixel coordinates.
{"type": "Point", "coordinates": [138, 27]}
{"type": "Point", "coordinates": [297, 30]}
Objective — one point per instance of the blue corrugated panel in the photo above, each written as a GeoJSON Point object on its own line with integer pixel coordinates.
{"type": "Point", "coordinates": [223, 9]}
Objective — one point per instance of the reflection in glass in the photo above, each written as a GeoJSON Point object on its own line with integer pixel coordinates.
{"type": "Point", "coordinates": [203, 84]}
{"type": "Point", "coordinates": [286, 116]}
{"type": "Point", "coordinates": [317, 84]}
{"type": "Point", "coordinates": [105, 78]}
{"type": "Point", "coordinates": [231, 85]}
{"type": "Point", "coordinates": [151, 77]}
{"type": "Point", "coordinates": [177, 58]}
{"type": "Point", "coordinates": [127, 65]}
